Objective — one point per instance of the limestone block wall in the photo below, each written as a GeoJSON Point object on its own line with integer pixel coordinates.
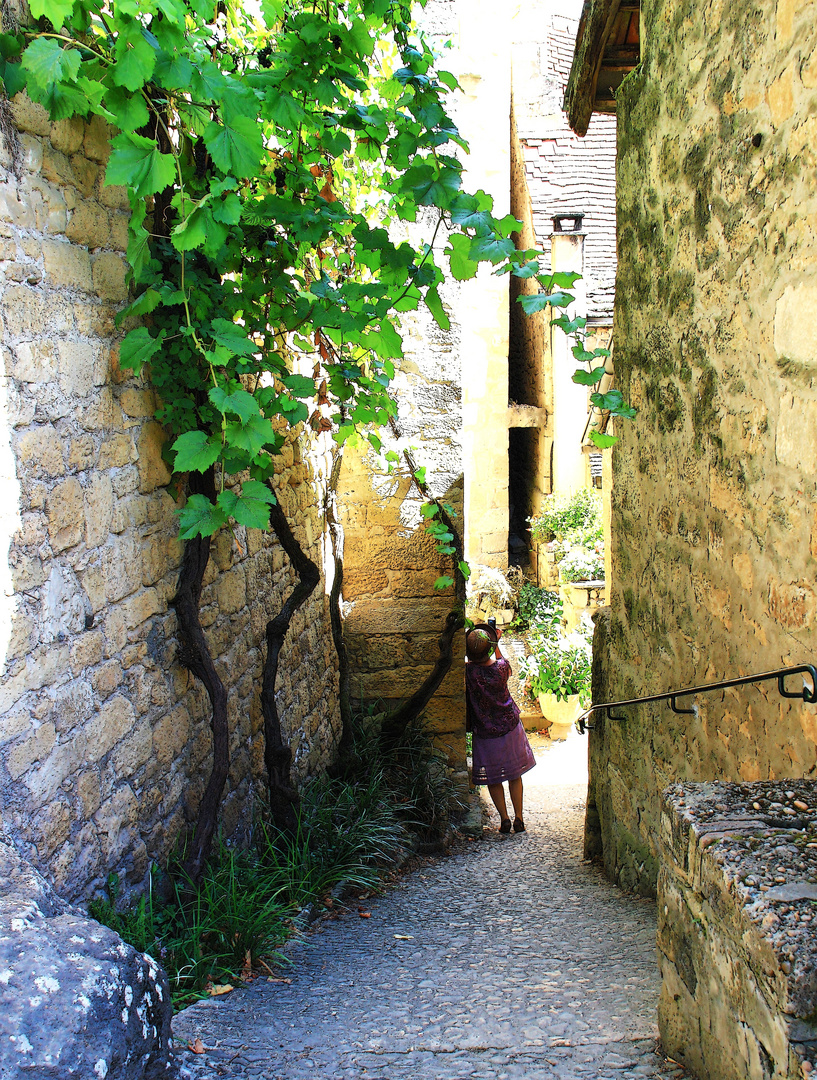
{"type": "Point", "coordinates": [714, 531]}
{"type": "Point", "coordinates": [104, 738]}
{"type": "Point", "coordinates": [393, 614]}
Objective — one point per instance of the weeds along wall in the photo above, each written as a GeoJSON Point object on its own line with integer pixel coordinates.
{"type": "Point", "coordinates": [714, 532]}
{"type": "Point", "coordinates": [105, 744]}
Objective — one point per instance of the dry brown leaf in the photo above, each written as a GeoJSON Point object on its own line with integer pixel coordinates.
{"type": "Point", "coordinates": [196, 1047]}
{"type": "Point", "coordinates": [365, 914]}
{"type": "Point", "coordinates": [217, 989]}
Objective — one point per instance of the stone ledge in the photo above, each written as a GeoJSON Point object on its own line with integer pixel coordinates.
{"type": "Point", "coordinates": [737, 928]}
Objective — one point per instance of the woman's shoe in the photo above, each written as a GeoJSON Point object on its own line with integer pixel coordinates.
{"type": "Point", "coordinates": [518, 825]}
{"type": "Point", "coordinates": [505, 827]}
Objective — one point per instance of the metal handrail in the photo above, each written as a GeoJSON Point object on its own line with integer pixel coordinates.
{"type": "Point", "coordinates": [806, 694]}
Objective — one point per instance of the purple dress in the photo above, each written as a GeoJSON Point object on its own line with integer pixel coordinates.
{"type": "Point", "coordinates": [501, 747]}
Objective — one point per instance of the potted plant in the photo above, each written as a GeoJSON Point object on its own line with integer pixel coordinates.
{"type": "Point", "coordinates": [581, 565]}
{"type": "Point", "coordinates": [557, 674]}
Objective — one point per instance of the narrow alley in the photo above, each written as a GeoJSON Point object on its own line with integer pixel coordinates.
{"type": "Point", "coordinates": [511, 959]}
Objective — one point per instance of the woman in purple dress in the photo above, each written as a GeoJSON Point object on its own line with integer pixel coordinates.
{"type": "Point", "coordinates": [501, 750]}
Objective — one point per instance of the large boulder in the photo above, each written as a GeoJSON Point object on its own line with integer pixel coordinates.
{"type": "Point", "coordinates": [75, 1000]}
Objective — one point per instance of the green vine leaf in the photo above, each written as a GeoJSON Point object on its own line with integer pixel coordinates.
{"type": "Point", "coordinates": [435, 306]}
{"type": "Point", "coordinates": [135, 56]}
{"type": "Point", "coordinates": [299, 385]}
{"type": "Point", "coordinates": [142, 305]}
{"type": "Point", "coordinates": [462, 266]}
{"type": "Point", "coordinates": [51, 75]}
{"type": "Point", "coordinates": [251, 437]}
{"type": "Point", "coordinates": [137, 162]}
{"type": "Point", "coordinates": [195, 451]}
{"type": "Point", "coordinates": [251, 507]}
{"type": "Point", "coordinates": [239, 403]}
{"type": "Point", "coordinates": [568, 325]}
{"type": "Point", "coordinates": [443, 582]}
{"type": "Point", "coordinates": [232, 337]}
{"type": "Point", "coordinates": [602, 440]}
{"type": "Point", "coordinates": [200, 517]}
{"type": "Point", "coordinates": [138, 348]}
{"type": "Point", "coordinates": [589, 378]}
{"type": "Point", "coordinates": [56, 11]}
{"type": "Point", "coordinates": [127, 111]}
{"type": "Point", "coordinates": [235, 147]}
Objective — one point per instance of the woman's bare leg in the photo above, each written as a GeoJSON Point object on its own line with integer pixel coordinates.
{"type": "Point", "coordinates": [515, 787]}
{"type": "Point", "coordinates": [497, 793]}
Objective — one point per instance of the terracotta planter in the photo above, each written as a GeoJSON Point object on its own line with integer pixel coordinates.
{"type": "Point", "coordinates": [561, 714]}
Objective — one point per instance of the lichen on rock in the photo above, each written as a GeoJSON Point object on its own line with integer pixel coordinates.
{"type": "Point", "coordinates": [75, 1000]}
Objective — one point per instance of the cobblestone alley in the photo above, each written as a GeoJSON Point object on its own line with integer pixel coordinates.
{"type": "Point", "coordinates": [511, 959]}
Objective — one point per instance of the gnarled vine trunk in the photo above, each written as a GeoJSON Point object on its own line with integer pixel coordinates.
{"type": "Point", "coordinates": [283, 796]}
{"type": "Point", "coordinates": [194, 653]}
{"type": "Point", "coordinates": [336, 533]}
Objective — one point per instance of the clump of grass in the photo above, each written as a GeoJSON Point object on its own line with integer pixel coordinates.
{"type": "Point", "coordinates": [419, 774]}
{"type": "Point", "coordinates": [203, 935]}
{"type": "Point", "coordinates": [350, 829]}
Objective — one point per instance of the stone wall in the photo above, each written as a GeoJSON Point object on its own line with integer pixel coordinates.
{"type": "Point", "coordinates": [736, 941]}
{"type": "Point", "coordinates": [104, 737]}
{"type": "Point", "coordinates": [393, 614]}
{"type": "Point", "coordinates": [713, 523]}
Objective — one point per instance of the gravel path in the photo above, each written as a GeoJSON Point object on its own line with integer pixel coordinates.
{"type": "Point", "coordinates": [511, 959]}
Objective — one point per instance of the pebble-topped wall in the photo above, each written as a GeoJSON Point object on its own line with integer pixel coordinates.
{"type": "Point", "coordinates": [737, 929]}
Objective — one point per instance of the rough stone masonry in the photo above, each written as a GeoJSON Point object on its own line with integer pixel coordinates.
{"type": "Point", "coordinates": [104, 737]}
{"type": "Point", "coordinates": [714, 530]}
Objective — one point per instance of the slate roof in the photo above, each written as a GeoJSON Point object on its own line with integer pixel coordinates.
{"type": "Point", "coordinates": [566, 173]}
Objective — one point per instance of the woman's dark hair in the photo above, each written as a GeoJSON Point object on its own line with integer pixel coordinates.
{"type": "Point", "coordinates": [478, 646]}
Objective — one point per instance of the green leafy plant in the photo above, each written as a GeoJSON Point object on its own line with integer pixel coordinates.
{"type": "Point", "coordinates": [204, 933]}
{"type": "Point", "coordinates": [538, 609]}
{"type": "Point", "coordinates": [581, 565]}
{"type": "Point", "coordinates": [349, 830]}
{"type": "Point", "coordinates": [561, 667]}
{"type": "Point", "coordinates": [574, 517]}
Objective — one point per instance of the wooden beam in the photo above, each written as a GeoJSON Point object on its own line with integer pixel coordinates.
{"type": "Point", "coordinates": [596, 23]}
{"type": "Point", "coordinates": [614, 69]}
{"type": "Point", "coordinates": [621, 54]}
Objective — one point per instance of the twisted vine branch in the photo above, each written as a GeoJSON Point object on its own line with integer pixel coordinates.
{"type": "Point", "coordinates": [194, 653]}
{"type": "Point", "coordinates": [283, 796]}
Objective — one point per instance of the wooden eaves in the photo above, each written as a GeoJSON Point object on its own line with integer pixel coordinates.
{"type": "Point", "coordinates": [607, 49]}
